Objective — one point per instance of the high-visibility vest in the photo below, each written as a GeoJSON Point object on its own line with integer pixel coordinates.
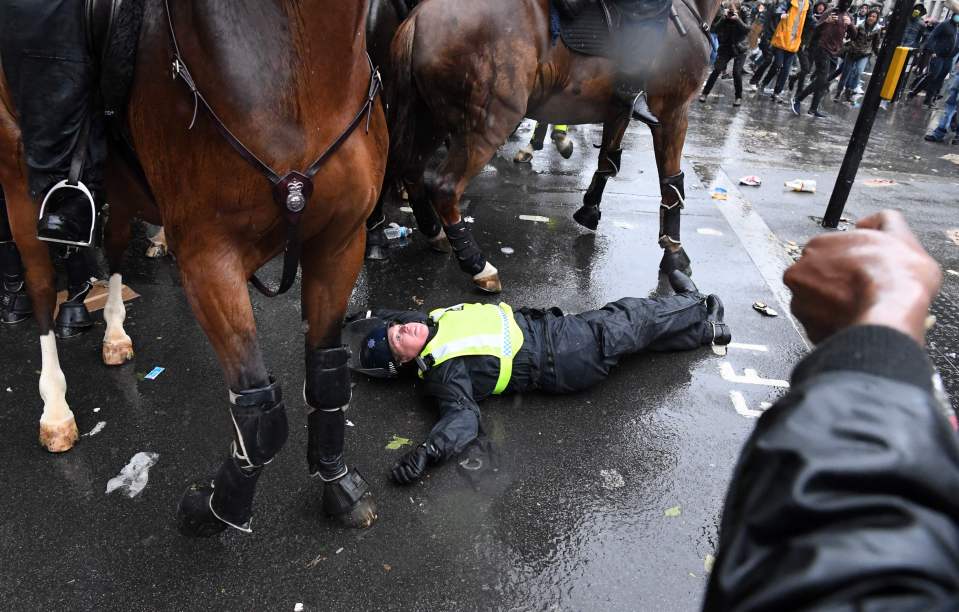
{"type": "Point", "coordinates": [474, 329]}
{"type": "Point", "coordinates": [788, 34]}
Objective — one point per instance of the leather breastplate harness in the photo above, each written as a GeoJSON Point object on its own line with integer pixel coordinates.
{"type": "Point", "coordinates": [292, 190]}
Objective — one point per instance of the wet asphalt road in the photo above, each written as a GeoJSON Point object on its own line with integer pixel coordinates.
{"type": "Point", "coordinates": [572, 514]}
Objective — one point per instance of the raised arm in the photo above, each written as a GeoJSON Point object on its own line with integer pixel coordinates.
{"type": "Point", "coordinates": [845, 495]}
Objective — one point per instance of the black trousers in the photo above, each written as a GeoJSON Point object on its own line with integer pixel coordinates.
{"type": "Point", "coordinates": [581, 349]}
{"type": "Point", "coordinates": [50, 75]}
{"type": "Point", "coordinates": [805, 67]}
{"type": "Point", "coordinates": [825, 65]}
{"type": "Point", "coordinates": [722, 60]}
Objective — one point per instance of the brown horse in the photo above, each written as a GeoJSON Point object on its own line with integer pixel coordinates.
{"type": "Point", "coordinates": [289, 78]}
{"type": "Point", "coordinates": [468, 72]}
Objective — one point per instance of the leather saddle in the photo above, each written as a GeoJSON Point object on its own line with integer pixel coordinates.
{"type": "Point", "coordinates": [113, 32]}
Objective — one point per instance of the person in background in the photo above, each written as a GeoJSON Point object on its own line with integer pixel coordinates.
{"type": "Point", "coordinates": [863, 45]}
{"type": "Point", "coordinates": [915, 28]}
{"type": "Point", "coordinates": [943, 44]}
{"type": "Point", "coordinates": [861, 14]}
{"type": "Point", "coordinates": [785, 43]}
{"type": "Point", "coordinates": [731, 28]}
{"type": "Point", "coordinates": [844, 496]}
{"type": "Point", "coordinates": [827, 44]}
{"type": "Point", "coordinates": [948, 118]}
{"type": "Point", "coordinates": [798, 81]}
{"type": "Point", "coordinates": [773, 13]}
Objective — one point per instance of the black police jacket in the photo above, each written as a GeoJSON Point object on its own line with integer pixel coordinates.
{"type": "Point", "coordinates": [458, 385]}
{"type": "Point", "coordinates": [846, 496]}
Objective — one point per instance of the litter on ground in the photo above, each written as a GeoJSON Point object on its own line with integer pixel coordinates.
{"type": "Point", "coordinates": [134, 475]}
{"type": "Point", "coordinates": [751, 180]}
{"type": "Point", "coordinates": [152, 374]}
{"type": "Point", "coordinates": [952, 157]}
{"type": "Point", "coordinates": [801, 185]}
{"type": "Point", "coordinates": [397, 443]}
{"type": "Point", "coordinates": [878, 182]}
{"type": "Point", "coordinates": [673, 512]}
{"type": "Point", "coordinates": [765, 310]}
{"type": "Point", "coordinates": [719, 193]}
{"type": "Point", "coordinates": [534, 218]}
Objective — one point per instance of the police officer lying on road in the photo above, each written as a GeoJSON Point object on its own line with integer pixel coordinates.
{"type": "Point", "coordinates": [467, 352]}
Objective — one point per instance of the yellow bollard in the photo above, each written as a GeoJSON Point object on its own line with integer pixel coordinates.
{"type": "Point", "coordinates": [894, 72]}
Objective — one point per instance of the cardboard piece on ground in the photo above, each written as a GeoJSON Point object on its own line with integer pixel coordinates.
{"type": "Point", "coordinates": [97, 298]}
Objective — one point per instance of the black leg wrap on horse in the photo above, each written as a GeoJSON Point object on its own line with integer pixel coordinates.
{"type": "Point", "coordinates": [324, 450]}
{"type": "Point", "coordinates": [327, 393]}
{"type": "Point", "coordinates": [342, 495]}
{"type": "Point", "coordinates": [260, 428]}
{"type": "Point", "coordinates": [674, 198]}
{"type": "Point", "coordinates": [426, 219]}
{"type": "Point", "coordinates": [233, 491]}
{"type": "Point", "coordinates": [468, 254]}
{"type": "Point", "coordinates": [208, 507]}
{"type": "Point", "coordinates": [589, 214]}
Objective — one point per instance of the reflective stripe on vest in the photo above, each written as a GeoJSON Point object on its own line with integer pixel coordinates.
{"type": "Point", "coordinates": [475, 329]}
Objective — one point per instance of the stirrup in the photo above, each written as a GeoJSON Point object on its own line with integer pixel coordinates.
{"type": "Point", "coordinates": [94, 215]}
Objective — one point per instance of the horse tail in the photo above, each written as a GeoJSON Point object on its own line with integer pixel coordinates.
{"type": "Point", "coordinates": [402, 96]}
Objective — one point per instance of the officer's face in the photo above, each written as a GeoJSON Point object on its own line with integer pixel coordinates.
{"type": "Point", "coordinates": [407, 340]}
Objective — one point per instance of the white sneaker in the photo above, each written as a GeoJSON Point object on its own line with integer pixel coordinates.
{"type": "Point", "coordinates": [753, 88]}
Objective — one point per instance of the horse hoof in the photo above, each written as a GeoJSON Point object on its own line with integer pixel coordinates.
{"type": "Point", "coordinates": [117, 352]}
{"type": "Point", "coordinates": [588, 216]}
{"type": "Point", "coordinates": [59, 437]}
{"type": "Point", "coordinates": [489, 284]}
{"type": "Point", "coordinates": [360, 516]}
{"type": "Point", "coordinates": [524, 155]}
{"type": "Point", "coordinates": [376, 253]}
{"type": "Point", "coordinates": [439, 244]}
{"type": "Point", "coordinates": [676, 260]}
{"type": "Point", "coordinates": [194, 519]}
{"type": "Point", "coordinates": [565, 147]}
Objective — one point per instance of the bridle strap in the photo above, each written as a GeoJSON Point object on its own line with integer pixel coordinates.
{"type": "Point", "coordinates": [283, 186]}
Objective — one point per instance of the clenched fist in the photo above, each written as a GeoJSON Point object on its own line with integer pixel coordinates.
{"type": "Point", "coordinates": [877, 274]}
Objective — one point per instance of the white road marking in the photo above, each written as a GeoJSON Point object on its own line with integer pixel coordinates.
{"type": "Point", "coordinates": [742, 408]}
{"type": "Point", "coordinates": [749, 377]}
{"type": "Point", "coordinates": [534, 218]}
{"type": "Point", "coordinates": [758, 348]}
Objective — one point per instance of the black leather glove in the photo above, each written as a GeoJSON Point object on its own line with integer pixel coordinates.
{"type": "Point", "coordinates": [411, 466]}
{"type": "Point", "coordinates": [356, 316]}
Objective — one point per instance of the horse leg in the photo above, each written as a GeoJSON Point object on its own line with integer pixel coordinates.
{"type": "Point", "coordinates": [58, 427]}
{"type": "Point", "coordinates": [117, 346]}
{"type": "Point", "coordinates": [445, 189]}
{"type": "Point", "coordinates": [668, 141]}
{"type": "Point", "coordinates": [525, 154]}
{"type": "Point", "coordinates": [426, 219]}
{"type": "Point", "coordinates": [329, 273]}
{"type": "Point", "coordinates": [610, 159]}
{"type": "Point", "coordinates": [215, 284]}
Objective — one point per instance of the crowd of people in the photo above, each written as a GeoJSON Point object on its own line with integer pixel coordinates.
{"type": "Point", "coordinates": [831, 43]}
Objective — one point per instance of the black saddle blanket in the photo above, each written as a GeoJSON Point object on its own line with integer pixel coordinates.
{"type": "Point", "coordinates": [594, 28]}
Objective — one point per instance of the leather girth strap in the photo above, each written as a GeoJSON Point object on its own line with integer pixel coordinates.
{"type": "Point", "coordinates": [291, 191]}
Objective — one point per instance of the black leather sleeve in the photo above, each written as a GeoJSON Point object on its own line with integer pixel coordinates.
{"type": "Point", "coordinates": [846, 496]}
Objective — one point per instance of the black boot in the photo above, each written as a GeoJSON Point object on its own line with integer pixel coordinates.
{"type": "Point", "coordinates": [681, 283]}
{"type": "Point", "coordinates": [15, 305]}
{"type": "Point", "coordinates": [636, 99]}
{"type": "Point", "coordinates": [715, 331]}
{"type": "Point", "coordinates": [69, 216]}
